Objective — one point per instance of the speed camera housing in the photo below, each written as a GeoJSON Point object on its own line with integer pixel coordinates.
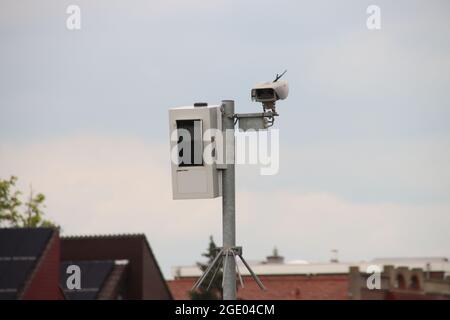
{"type": "Point", "coordinates": [192, 176]}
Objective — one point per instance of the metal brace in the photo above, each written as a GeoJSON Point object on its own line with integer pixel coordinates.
{"type": "Point", "coordinates": [221, 256]}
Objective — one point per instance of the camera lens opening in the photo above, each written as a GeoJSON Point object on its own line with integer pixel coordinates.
{"type": "Point", "coordinates": [265, 94]}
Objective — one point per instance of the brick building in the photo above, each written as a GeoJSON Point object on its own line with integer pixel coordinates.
{"type": "Point", "coordinates": [34, 264]}
{"type": "Point", "coordinates": [403, 283]}
{"type": "Point", "coordinates": [416, 278]}
{"type": "Point", "coordinates": [114, 267]}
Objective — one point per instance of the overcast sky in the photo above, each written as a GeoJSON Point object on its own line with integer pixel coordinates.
{"type": "Point", "coordinates": [365, 132]}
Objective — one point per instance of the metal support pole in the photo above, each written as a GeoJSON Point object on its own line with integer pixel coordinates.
{"type": "Point", "coordinates": [228, 201]}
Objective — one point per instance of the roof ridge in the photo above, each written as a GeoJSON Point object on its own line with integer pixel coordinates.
{"type": "Point", "coordinates": [104, 236]}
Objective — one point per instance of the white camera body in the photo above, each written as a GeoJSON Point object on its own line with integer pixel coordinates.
{"type": "Point", "coordinates": [270, 91]}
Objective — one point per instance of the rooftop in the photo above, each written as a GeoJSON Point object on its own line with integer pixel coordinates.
{"type": "Point", "coordinates": [433, 264]}
{"type": "Point", "coordinates": [20, 250]}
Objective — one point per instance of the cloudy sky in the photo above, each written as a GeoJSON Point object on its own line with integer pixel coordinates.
{"type": "Point", "coordinates": [365, 132]}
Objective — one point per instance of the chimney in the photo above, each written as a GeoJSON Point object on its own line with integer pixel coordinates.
{"type": "Point", "coordinates": [275, 258]}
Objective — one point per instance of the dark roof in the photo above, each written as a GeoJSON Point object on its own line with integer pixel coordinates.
{"type": "Point", "coordinates": [13, 275]}
{"type": "Point", "coordinates": [144, 277]}
{"type": "Point", "coordinates": [23, 242]}
{"type": "Point", "coordinates": [93, 276]}
{"type": "Point", "coordinates": [114, 287]}
{"type": "Point", "coordinates": [20, 249]}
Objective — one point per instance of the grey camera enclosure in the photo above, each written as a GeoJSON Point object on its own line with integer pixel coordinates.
{"type": "Point", "coordinates": [256, 123]}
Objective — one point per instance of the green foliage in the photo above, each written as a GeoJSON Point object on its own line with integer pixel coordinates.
{"type": "Point", "coordinates": [15, 213]}
{"type": "Point", "coordinates": [215, 290]}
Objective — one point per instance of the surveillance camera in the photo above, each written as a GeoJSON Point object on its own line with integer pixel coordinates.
{"type": "Point", "coordinates": [270, 91]}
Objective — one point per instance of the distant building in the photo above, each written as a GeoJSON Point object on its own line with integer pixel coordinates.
{"type": "Point", "coordinates": [34, 264]}
{"type": "Point", "coordinates": [431, 282]}
{"type": "Point", "coordinates": [399, 278]}
{"type": "Point", "coordinates": [114, 267]}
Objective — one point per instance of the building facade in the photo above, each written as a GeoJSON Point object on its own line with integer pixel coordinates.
{"type": "Point", "coordinates": [385, 279]}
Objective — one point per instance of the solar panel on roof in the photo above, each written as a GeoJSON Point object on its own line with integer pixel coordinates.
{"type": "Point", "coordinates": [20, 248]}
{"type": "Point", "coordinates": [23, 242]}
{"type": "Point", "coordinates": [93, 276]}
{"type": "Point", "coordinates": [14, 273]}
{"type": "Point", "coordinates": [8, 295]}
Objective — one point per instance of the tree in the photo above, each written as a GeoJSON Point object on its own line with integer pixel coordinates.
{"type": "Point", "coordinates": [215, 290]}
{"type": "Point", "coordinates": [15, 213]}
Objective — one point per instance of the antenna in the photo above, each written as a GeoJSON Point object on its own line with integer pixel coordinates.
{"type": "Point", "coordinates": [278, 77]}
{"type": "Point", "coordinates": [334, 256]}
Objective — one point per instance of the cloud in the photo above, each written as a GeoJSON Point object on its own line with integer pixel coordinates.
{"type": "Point", "coordinates": [402, 170]}
{"type": "Point", "coordinates": [310, 225]}
{"type": "Point", "coordinates": [98, 184]}
{"type": "Point", "coordinates": [365, 170]}
{"type": "Point", "coordinates": [367, 64]}
{"type": "Point", "coordinates": [26, 11]}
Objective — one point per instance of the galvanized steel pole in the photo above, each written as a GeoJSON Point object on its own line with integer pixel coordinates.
{"type": "Point", "coordinates": [228, 201]}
